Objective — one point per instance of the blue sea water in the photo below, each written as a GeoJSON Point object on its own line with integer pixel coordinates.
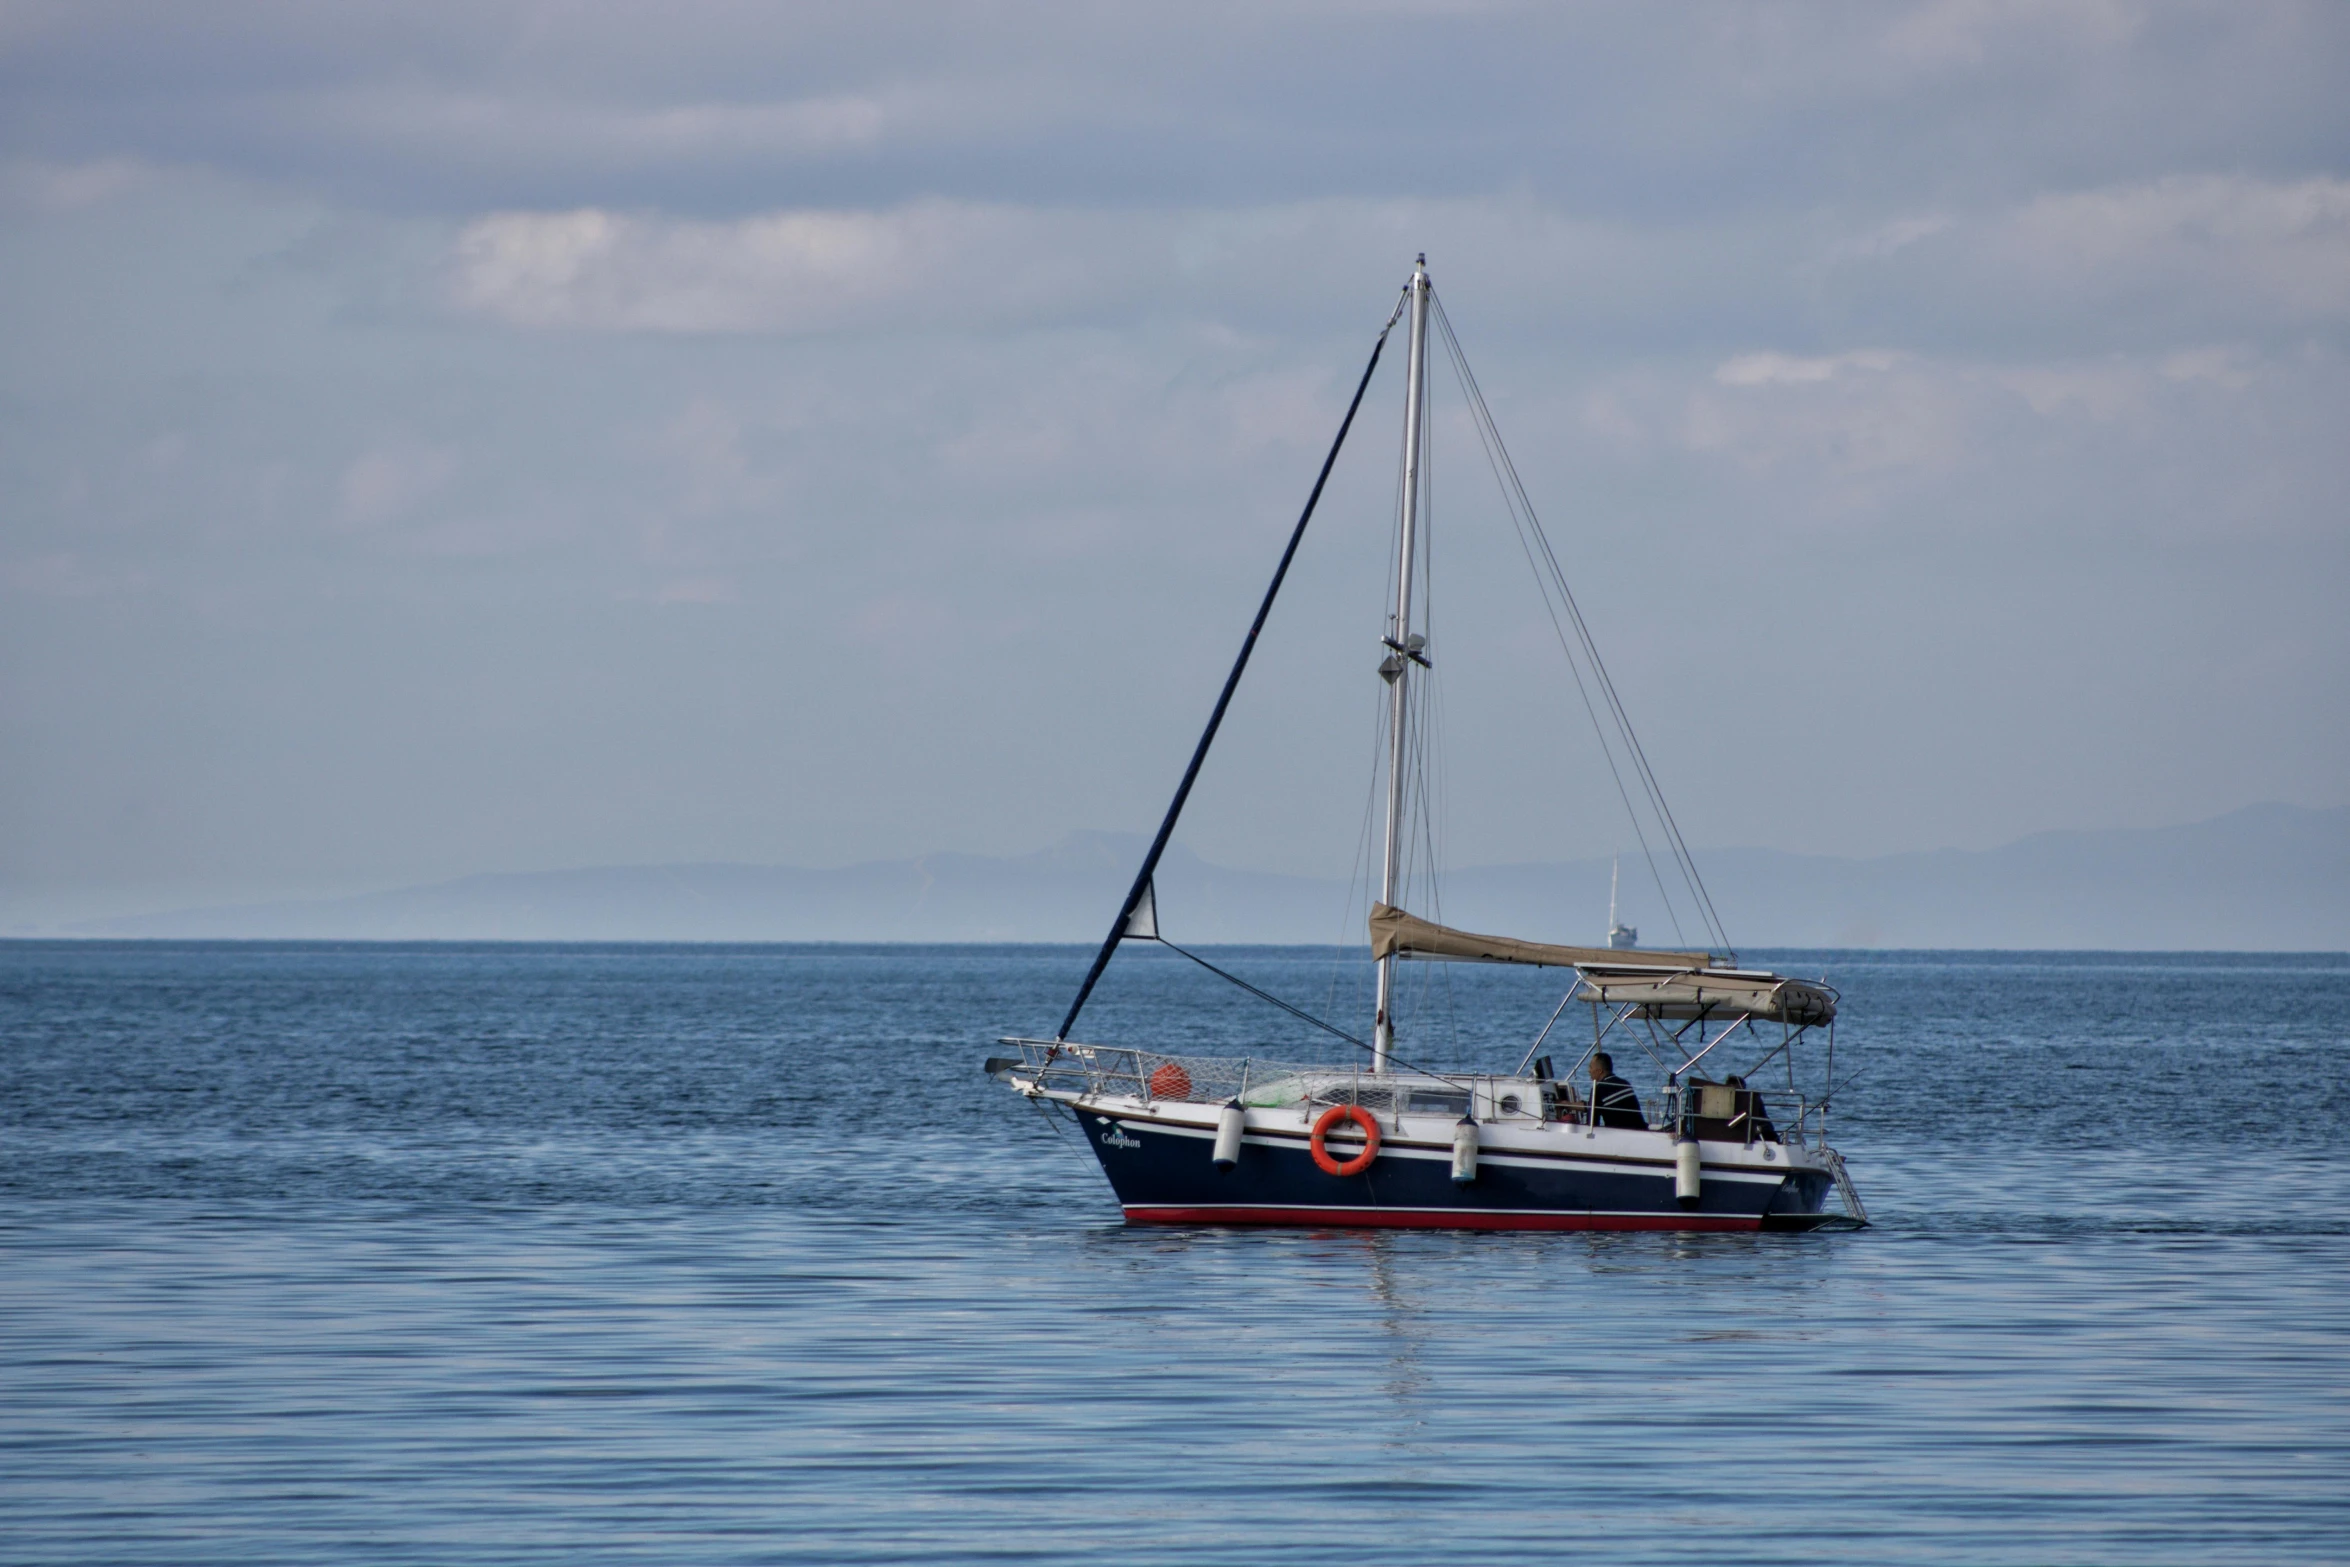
{"type": "Point", "coordinates": [466, 1254]}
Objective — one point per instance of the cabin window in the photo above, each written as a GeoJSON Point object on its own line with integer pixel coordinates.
{"type": "Point", "coordinates": [1427, 1102]}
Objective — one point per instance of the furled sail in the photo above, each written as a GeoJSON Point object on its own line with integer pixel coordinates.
{"type": "Point", "coordinates": [1408, 936]}
{"type": "Point", "coordinates": [1669, 985]}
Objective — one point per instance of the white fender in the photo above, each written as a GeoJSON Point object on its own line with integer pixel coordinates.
{"type": "Point", "coordinates": [1685, 1172]}
{"type": "Point", "coordinates": [1464, 1151]}
{"type": "Point", "coordinates": [1229, 1123]}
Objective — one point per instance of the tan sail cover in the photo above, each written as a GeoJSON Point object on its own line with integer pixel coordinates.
{"type": "Point", "coordinates": [1660, 984]}
{"type": "Point", "coordinates": [1406, 936]}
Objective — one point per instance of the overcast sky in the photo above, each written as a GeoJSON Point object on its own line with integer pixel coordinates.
{"type": "Point", "coordinates": [444, 438]}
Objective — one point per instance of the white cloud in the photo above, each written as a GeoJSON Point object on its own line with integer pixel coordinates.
{"type": "Point", "coordinates": [1960, 33]}
{"type": "Point", "coordinates": [792, 271]}
{"type": "Point", "coordinates": [807, 125]}
{"type": "Point", "coordinates": [1790, 370]}
{"type": "Point", "coordinates": [64, 187]}
{"type": "Point", "coordinates": [1887, 238]}
{"type": "Point", "coordinates": [1871, 414]}
{"type": "Point", "coordinates": [525, 123]}
{"type": "Point", "coordinates": [2231, 367]}
{"type": "Point", "coordinates": [2281, 248]}
{"type": "Point", "coordinates": [933, 264]}
{"type": "Point", "coordinates": [2195, 258]}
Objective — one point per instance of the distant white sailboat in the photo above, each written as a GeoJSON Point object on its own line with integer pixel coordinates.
{"type": "Point", "coordinates": [1619, 934]}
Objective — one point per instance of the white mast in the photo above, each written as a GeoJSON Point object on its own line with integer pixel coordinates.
{"type": "Point", "coordinates": [1404, 649]}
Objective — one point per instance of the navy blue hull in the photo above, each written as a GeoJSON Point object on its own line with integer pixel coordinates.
{"type": "Point", "coordinates": [1166, 1176]}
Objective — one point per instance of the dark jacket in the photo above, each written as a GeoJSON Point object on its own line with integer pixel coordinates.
{"type": "Point", "coordinates": [1616, 1103]}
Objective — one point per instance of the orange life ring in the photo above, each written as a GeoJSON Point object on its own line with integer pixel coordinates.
{"type": "Point", "coordinates": [1330, 1118]}
{"type": "Point", "coordinates": [1170, 1082]}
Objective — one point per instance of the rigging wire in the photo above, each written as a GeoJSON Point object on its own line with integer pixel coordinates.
{"type": "Point", "coordinates": [1544, 585]}
{"type": "Point", "coordinates": [1263, 995]}
{"type": "Point", "coordinates": [1575, 669]}
{"type": "Point", "coordinates": [1532, 537]}
{"type": "Point", "coordinates": [1411, 1066]}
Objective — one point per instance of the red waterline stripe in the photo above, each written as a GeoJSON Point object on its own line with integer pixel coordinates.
{"type": "Point", "coordinates": [1422, 1219]}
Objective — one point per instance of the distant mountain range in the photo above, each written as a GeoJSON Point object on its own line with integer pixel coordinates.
{"type": "Point", "coordinates": [2266, 878]}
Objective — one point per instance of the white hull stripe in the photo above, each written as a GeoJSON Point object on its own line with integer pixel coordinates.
{"type": "Point", "coordinates": [1746, 1175]}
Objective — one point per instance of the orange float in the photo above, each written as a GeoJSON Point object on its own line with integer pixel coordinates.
{"type": "Point", "coordinates": [1170, 1082]}
{"type": "Point", "coordinates": [1318, 1145]}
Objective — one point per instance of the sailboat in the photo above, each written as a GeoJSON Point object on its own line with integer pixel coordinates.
{"type": "Point", "coordinates": [1619, 934]}
{"type": "Point", "coordinates": [1376, 1141]}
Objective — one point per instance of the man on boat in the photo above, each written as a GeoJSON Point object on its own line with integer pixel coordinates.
{"type": "Point", "coordinates": [1611, 1097]}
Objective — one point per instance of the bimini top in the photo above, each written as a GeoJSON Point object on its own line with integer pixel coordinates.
{"type": "Point", "coordinates": [1710, 992]}
{"type": "Point", "coordinates": [1671, 985]}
